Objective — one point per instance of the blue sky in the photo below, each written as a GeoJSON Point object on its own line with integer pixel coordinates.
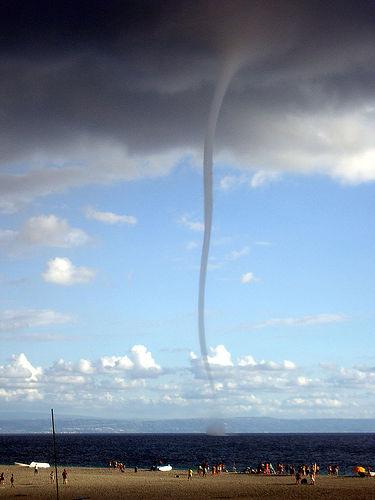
{"type": "Point", "coordinates": [290, 279]}
{"type": "Point", "coordinates": [103, 119]}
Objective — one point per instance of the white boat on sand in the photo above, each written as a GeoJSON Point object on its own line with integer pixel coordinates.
{"type": "Point", "coordinates": [164, 468]}
{"type": "Point", "coordinates": [32, 465]}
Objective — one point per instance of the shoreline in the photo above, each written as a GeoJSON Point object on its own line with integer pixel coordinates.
{"type": "Point", "coordinates": [99, 482]}
{"type": "Point", "coordinates": [130, 469]}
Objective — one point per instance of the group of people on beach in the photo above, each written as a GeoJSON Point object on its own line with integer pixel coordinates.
{"type": "Point", "coordinates": [333, 470]}
{"type": "Point", "coordinates": [267, 469]}
{"type": "Point", "coordinates": [36, 471]}
{"type": "Point", "coordinates": [301, 473]}
{"type": "Point", "coordinates": [113, 464]}
{"type": "Point", "coordinates": [2, 480]}
{"type": "Point", "coordinates": [204, 468]}
{"type": "Point", "coordinates": [304, 471]}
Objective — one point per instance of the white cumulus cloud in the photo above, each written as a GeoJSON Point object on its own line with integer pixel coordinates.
{"type": "Point", "coordinates": [220, 356]}
{"type": "Point", "coordinates": [247, 278]}
{"type": "Point", "coordinates": [263, 177]}
{"type": "Point", "coordinates": [139, 362]}
{"type": "Point", "coordinates": [49, 230]}
{"type": "Point", "coordinates": [250, 362]}
{"type": "Point", "coordinates": [43, 230]}
{"type": "Point", "coordinates": [116, 363]}
{"type": "Point", "coordinates": [110, 217]}
{"type": "Point", "coordinates": [143, 359]}
{"type": "Point", "coordinates": [21, 368]}
{"type": "Point", "coordinates": [62, 271]}
{"type": "Point", "coordinates": [135, 381]}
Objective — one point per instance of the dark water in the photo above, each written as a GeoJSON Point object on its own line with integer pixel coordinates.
{"type": "Point", "coordinates": [185, 450]}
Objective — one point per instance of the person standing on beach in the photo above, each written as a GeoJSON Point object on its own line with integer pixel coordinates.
{"type": "Point", "coordinates": [190, 474]}
{"type": "Point", "coordinates": [12, 481]}
{"type": "Point", "coordinates": [65, 476]}
{"type": "Point", "coordinates": [298, 477]}
{"type": "Point", "coordinates": [2, 478]}
{"type": "Point", "coordinates": [52, 476]}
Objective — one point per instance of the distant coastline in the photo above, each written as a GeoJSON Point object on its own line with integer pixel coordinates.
{"type": "Point", "coordinates": [29, 423]}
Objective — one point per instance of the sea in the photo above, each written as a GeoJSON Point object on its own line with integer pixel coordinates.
{"type": "Point", "coordinates": [188, 450]}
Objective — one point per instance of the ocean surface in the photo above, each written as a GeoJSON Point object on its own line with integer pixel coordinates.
{"type": "Point", "coordinates": [186, 450]}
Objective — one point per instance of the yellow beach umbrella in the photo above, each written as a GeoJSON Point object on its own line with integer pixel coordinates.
{"type": "Point", "coordinates": [359, 470]}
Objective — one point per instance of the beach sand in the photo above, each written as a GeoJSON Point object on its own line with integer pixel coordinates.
{"type": "Point", "coordinates": [95, 483]}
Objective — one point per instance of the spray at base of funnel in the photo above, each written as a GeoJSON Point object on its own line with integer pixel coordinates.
{"type": "Point", "coordinates": [216, 428]}
{"type": "Point", "coordinates": [229, 69]}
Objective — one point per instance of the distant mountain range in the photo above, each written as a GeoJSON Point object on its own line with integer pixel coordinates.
{"type": "Point", "coordinates": [32, 423]}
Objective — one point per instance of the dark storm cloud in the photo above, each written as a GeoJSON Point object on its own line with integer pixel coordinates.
{"type": "Point", "coordinates": [109, 85]}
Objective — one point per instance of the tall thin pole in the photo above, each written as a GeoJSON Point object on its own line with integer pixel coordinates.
{"type": "Point", "coordinates": [54, 454]}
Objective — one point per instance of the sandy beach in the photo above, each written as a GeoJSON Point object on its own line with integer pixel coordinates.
{"type": "Point", "coordinates": [95, 483]}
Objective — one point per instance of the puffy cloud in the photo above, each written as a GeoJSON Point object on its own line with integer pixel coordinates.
{"type": "Point", "coordinates": [220, 356]}
{"type": "Point", "coordinates": [29, 395]}
{"type": "Point", "coordinates": [249, 362]}
{"type": "Point", "coordinates": [143, 360]}
{"type": "Point", "coordinates": [110, 217]}
{"type": "Point", "coordinates": [30, 318]}
{"type": "Point", "coordinates": [44, 230]}
{"type": "Point", "coordinates": [21, 368]}
{"type": "Point", "coordinates": [19, 380]}
{"type": "Point", "coordinates": [357, 377]}
{"type": "Point", "coordinates": [139, 363]}
{"type": "Point", "coordinates": [83, 366]}
{"type": "Point", "coordinates": [61, 271]}
{"type": "Point", "coordinates": [49, 230]}
{"type": "Point", "coordinates": [303, 381]}
{"type": "Point", "coordinates": [245, 369]}
{"type": "Point", "coordinates": [263, 177]}
{"type": "Point", "coordinates": [247, 278]}
{"type": "Point", "coordinates": [116, 363]}
{"type": "Point", "coordinates": [82, 379]}
{"type": "Point", "coordinates": [358, 168]}
{"type": "Point", "coordinates": [256, 180]}
{"type": "Point", "coordinates": [135, 381]}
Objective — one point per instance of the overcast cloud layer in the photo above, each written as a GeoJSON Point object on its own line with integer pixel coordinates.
{"type": "Point", "coordinates": [94, 92]}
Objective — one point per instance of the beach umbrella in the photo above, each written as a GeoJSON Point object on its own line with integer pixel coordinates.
{"type": "Point", "coordinates": [359, 470]}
